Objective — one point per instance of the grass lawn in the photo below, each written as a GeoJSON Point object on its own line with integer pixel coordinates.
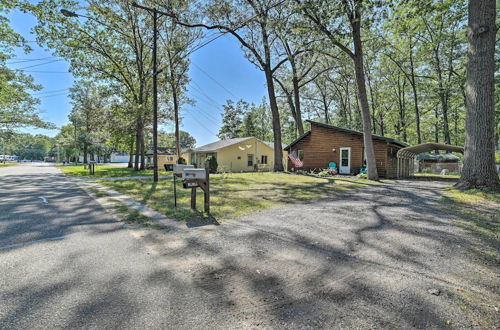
{"type": "Point", "coordinates": [432, 175]}
{"type": "Point", "coordinates": [7, 164]}
{"type": "Point", "coordinates": [478, 211]}
{"type": "Point", "coordinates": [106, 171]}
{"type": "Point", "coordinates": [234, 195]}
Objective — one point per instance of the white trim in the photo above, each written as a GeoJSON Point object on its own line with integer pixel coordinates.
{"type": "Point", "coordinates": [346, 169]}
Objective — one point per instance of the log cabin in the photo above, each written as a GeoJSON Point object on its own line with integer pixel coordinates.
{"type": "Point", "coordinates": [324, 143]}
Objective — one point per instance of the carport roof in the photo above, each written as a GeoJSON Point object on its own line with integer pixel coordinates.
{"type": "Point", "coordinates": [410, 152]}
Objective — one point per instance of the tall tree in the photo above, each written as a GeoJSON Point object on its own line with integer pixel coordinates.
{"type": "Point", "coordinates": [324, 14]}
{"type": "Point", "coordinates": [252, 23]}
{"type": "Point", "coordinates": [479, 159]}
{"type": "Point", "coordinates": [17, 107]}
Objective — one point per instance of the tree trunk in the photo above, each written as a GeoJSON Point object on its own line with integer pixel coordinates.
{"type": "Point", "coordinates": [365, 109]}
{"type": "Point", "coordinates": [143, 151]}
{"type": "Point", "coordinates": [442, 99]}
{"type": "Point", "coordinates": [479, 159]}
{"type": "Point", "coordinates": [138, 134]}
{"type": "Point", "coordinates": [415, 96]}
{"type": "Point", "coordinates": [173, 85]}
{"type": "Point", "coordinates": [278, 152]}
{"type": "Point", "coordinates": [130, 156]}
{"type": "Point", "coordinates": [85, 150]}
{"type": "Point", "coordinates": [296, 98]}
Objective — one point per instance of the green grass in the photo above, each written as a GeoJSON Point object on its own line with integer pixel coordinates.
{"type": "Point", "coordinates": [133, 217]}
{"type": "Point", "coordinates": [497, 156]}
{"type": "Point", "coordinates": [432, 175]}
{"type": "Point", "coordinates": [234, 195]}
{"type": "Point", "coordinates": [106, 171]}
{"type": "Point", "coordinates": [478, 209]}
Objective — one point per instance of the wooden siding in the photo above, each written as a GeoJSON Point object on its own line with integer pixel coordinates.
{"type": "Point", "coordinates": [318, 150]}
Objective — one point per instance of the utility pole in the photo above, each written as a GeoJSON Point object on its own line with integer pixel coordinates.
{"type": "Point", "coordinates": [156, 14]}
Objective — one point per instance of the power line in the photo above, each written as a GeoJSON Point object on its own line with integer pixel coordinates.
{"type": "Point", "coordinates": [45, 96]}
{"type": "Point", "coordinates": [36, 71]}
{"type": "Point", "coordinates": [199, 123]}
{"type": "Point", "coordinates": [209, 99]}
{"type": "Point", "coordinates": [198, 88]}
{"type": "Point", "coordinates": [50, 92]}
{"type": "Point", "coordinates": [207, 113]}
{"type": "Point", "coordinates": [32, 66]}
{"type": "Point", "coordinates": [213, 79]}
{"type": "Point", "coordinates": [24, 60]}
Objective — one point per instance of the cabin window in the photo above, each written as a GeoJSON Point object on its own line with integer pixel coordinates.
{"type": "Point", "coordinates": [300, 155]}
{"type": "Point", "coordinates": [263, 159]}
{"type": "Point", "coordinates": [249, 160]}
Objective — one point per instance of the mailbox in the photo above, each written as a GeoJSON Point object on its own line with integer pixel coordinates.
{"type": "Point", "coordinates": [194, 173]}
{"type": "Point", "coordinates": [178, 168]}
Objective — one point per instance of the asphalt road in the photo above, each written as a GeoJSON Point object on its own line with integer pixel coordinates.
{"type": "Point", "coordinates": [359, 259]}
{"type": "Point", "coordinates": [68, 264]}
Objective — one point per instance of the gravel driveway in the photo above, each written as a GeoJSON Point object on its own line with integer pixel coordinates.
{"type": "Point", "coordinates": [362, 259]}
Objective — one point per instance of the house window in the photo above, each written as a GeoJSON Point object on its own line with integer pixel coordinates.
{"type": "Point", "coordinates": [300, 155]}
{"type": "Point", "coordinates": [263, 159]}
{"type": "Point", "coordinates": [250, 160]}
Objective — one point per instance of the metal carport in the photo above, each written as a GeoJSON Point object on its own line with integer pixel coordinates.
{"type": "Point", "coordinates": [406, 156]}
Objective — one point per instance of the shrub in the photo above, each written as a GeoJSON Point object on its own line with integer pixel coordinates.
{"type": "Point", "coordinates": [181, 160]}
{"type": "Point", "coordinates": [212, 165]}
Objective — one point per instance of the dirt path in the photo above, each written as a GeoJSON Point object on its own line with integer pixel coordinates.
{"type": "Point", "coordinates": [363, 259]}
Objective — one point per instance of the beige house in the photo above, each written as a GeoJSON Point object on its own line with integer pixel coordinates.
{"type": "Point", "coordinates": [237, 155]}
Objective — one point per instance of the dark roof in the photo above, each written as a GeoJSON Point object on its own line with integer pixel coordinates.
{"type": "Point", "coordinates": [438, 157]}
{"type": "Point", "coordinates": [346, 130]}
{"type": "Point", "coordinates": [215, 146]}
{"type": "Point", "coordinates": [297, 140]}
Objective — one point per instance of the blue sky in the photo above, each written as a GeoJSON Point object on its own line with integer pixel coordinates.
{"type": "Point", "coordinates": [220, 62]}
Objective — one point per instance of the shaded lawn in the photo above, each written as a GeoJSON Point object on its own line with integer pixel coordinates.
{"type": "Point", "coordinates": [234, 195]}
{"type": "Point", "coordinates": [479, 212]}
{"type": "Point", "coordinates": [432, 175]}
{"type": "Point", "coordinates": [107, 171]}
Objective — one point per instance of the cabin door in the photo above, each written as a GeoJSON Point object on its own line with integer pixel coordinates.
{"type": "Point", "coordinates": [345, 161]}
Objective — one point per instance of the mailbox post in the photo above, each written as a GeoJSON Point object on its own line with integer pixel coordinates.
{"type": "Point", "coordinates": [178, 168]}
{"type": "Point", "coordinates": [194, 178]}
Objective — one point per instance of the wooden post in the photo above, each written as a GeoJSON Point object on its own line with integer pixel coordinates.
{"type": "Point", "coordinates": [193, 198]}
{"type": "Point", "coordinates": [175, 191]}
{"type": "Point", "coordinates": [207, 192]}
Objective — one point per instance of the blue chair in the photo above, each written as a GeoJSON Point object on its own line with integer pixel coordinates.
{"type": "Point", "coordinates": [363, 170]}
{"type": "Point", "coordinates": [332, 166]}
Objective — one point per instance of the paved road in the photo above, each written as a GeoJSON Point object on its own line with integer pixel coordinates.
{"type": "Point", "coordinates": [361, 259]}
{"type": "Point", "coordinates": [67, 263]}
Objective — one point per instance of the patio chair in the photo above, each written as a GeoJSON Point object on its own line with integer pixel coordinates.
{"type": "Point", "coordinates": [332, 166]}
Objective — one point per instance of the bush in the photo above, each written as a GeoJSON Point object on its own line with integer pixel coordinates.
{"type": "Point", "coordinates": [362, 176]}
{"type": "Point", "coordinates": [212, 165]}
{"type": "Point", "coordinates": [181, 161]}
{"type": "Point", "coordinates": [427, 170]}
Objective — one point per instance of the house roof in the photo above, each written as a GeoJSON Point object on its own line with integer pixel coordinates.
{"type": "Point", "coordinates": [215, 146]}
{"type": "Point", "coordinates": [346, 130]}
{"type": "Point", "coordinates": [438, 157]}
{"type": "Point", "coordinates": [297, 140]}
